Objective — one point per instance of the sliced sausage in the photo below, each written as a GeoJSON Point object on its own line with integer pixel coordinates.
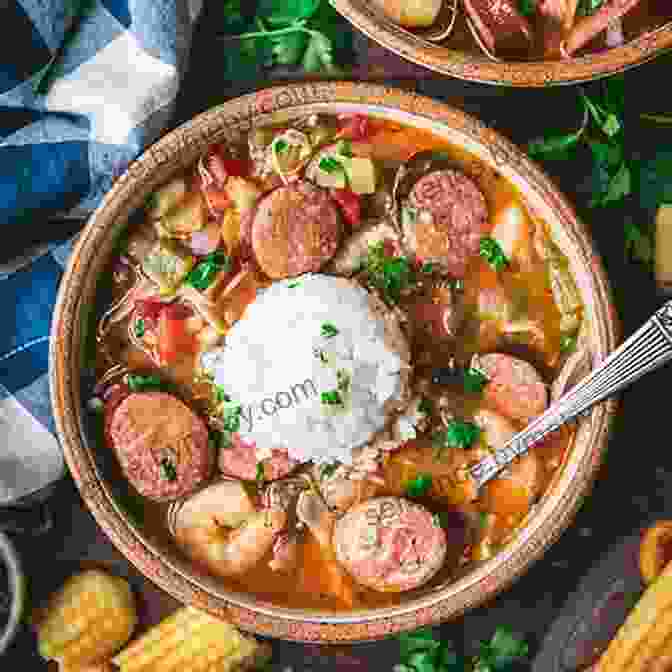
{"type": "Point", "coordinates": [240, 461]}
{"type": "Point", "coordinates": [451, 217]}
{"type": "Point", "coordinates": [514, 387]}
{"type": "Point", "coordinates": [499, 24]}
{"type": "Point", "coordinates": [389, 544]}
{"type": "Point", "coordinates": [161, 444]}
{"type": "Point", "coordinates": [296, 229]}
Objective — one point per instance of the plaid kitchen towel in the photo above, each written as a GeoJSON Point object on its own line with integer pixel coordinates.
{"type": "Point", "coordinates": [85, 86]}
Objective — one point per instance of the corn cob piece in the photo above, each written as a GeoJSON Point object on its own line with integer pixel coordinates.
{"type": "Point", "coordinates": [91, 617]}
{"type": "Point", "coordinates": [192, 641]}
{"type": "Point", "coordinates": [644, 636]}
{"type": "Point", "coordinates": [655, 550]}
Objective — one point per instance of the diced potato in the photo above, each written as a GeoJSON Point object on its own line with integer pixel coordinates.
{"type": "Point", "coordinates": [243, 193]}
{"type": "Point", "coordinates": [664, 247]}
{"type": "Point", "coordinates": [189, 638]}
{"type": "Point", "coordinates": [166, 198]}
{"type": "Point", "coordinates": [412, 13]}
{"type": "Point", "coordinates": [191, 215]}
{"type": "Point", "coordinates": [361, 175]}
{"type": "Point", "coordinates": [167, 265]}
{"type": "Point", "coordinates": [231, 230]}
{"type": "Point", "coordinates": [90, 618]}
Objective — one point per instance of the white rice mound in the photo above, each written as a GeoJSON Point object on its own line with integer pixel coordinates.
{"type": "Point", "coordinates": [273, 352]}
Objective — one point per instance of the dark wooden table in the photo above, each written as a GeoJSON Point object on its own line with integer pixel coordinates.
{"type": "Point", "coordinates": [634, 485]}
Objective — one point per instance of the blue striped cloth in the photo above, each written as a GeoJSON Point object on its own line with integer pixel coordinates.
{"type": "Point", "coordinates": [117, 66]}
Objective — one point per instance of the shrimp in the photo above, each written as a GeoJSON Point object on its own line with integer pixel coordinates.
{"type": "Point", "coordinates": [221, 528]}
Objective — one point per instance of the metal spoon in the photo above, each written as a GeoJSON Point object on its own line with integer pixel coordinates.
{"type": "Point", "coordinates": [646, 350]}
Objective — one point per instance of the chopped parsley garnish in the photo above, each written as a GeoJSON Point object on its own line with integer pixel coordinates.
{"type": "Point", "coordinates": [344, 148]}
{"type": "Point", "coordinates": [291, 285]}
{"type": "Point", "coordinates": [458, 434]}
{"type": "Point", "coordinates": [491, 251]}
{"type": "Point", "coordinates": [281, 146]}
{"type": "Point", "coordinates": [389, 274]}
{"type": "Point", "coordinates": [329, 165]}
{"type": "Point", "coordinates": [327, 470]}
{"type": "Point", "coordinates": [440, 519]}
{"type": "Point", "coordinates": [261, 474]}
{"type": "Point", "coordinates": [474, 380]}
{"type": "Point", "coordinates": [321, 355]}
{"type": "Point", "coordinates": [167, 469]}
{"type": "Point", "coordinates": [139, 328]}
{"type": "Point", "coordinates": [420, 652]}
{"type": "Point", "coordinates": [140, 383]}
{"type": "Point", "coordinates": [332, 398]}
{"type": "Point", "coordinates": [328, 330]}
{"type": "Point", "coordinates": [427, 267]}
{"type": "Point", "coordinates": [419, 486]}
{"type": "Point", "coordinates": [568, 343]}
{"type": "Point", "coordinates": [220, 395]}
{"type": "Point", "coordinates": [527, 7]}
{"type": "Point", "coordinates": [425, 406]}
{"type": "Point", "coordinates": [231, 416]}
{"type": "Point", "coordinates": [203, 274]}
{"type": "Point", "coordinates": [483, 519]}
{"type": "Point", "coordinates": [343, 380]}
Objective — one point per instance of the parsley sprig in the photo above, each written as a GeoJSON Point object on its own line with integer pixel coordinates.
{"type": "Point", "coordinates": [458, 434]}
{"type": "Point", "coordinates": [391, 275]}
{"type": "Point", "coordinates": [203, 274]}
{"type": "Point", "coordinates": [617, 172]}
{"type": "Point", "coordinates": [421, 652]}
{"type": "Point", "coordinates": [305, 33]}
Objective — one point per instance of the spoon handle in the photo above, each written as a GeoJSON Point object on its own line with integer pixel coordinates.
{"type": "Point", "coordinates": [647, 349]}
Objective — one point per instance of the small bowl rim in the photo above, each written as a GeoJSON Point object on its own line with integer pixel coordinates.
{"type": "Point", "coordinates": [10, 557]}
{"type": "Point", "coordinates": [155, 165]}
{"type": "Point", "coordinates": [520, 74]}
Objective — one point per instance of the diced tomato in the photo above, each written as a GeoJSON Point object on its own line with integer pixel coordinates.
{"type": "Point", "coordinates": [149, 309]}
{"type": "Point", "coordinates": [173, 335]}
{"type": "Point", "coordinates": [350, 204]}
{"type": "Point", "coordinates": [354, 127]}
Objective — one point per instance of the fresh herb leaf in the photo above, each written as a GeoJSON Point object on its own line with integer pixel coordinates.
{"type": "Point", "coordinates": [474, 380]}
{"type": "Point", "coordinates": [501, 651]}
{"type": "Point", "coordinates": [638, 245]}
{"type": "Point", "coordinates": [343, 380]}
{"type": "Point", "coordinates": [616, 187]}
{"type": "Point", "coordinates": [326, 470]}
{"type": "Point", "coordinates": [220, 395]}
{"type": "Point", "coordinates": [458, 434]}
{"type": "Point", "coordinates": [440, 519]}
{"type": "Point", "coordinates": [427, 267]}
{"type": "Point", "coordinates": [329, 165]}
{"type": "Point", "coordinates": [587, 7]}
{"type": "Point", "coordinates": [483, 518]}
{"type": "Point", "coordinates": [425, 406]}
{"type": "Point", "coordinates": [344, 148]}
{"type": "Point", "coordinates": [328, 330]}
{"type": "Point", "coordinates": [319, 54]}
{"type": "Point", "coordinates": [391, 275]}
{"type": "Point", "coordinates": [332, 398]}
{"type": "Point", "coordinates": [568, 343]}
{"type": "Point", "coordinates": [421, 639]}
{"type": "Point", "coordinates": [261, 476]}
{"type": "Point", "coordinates": [203, 274]}
{"type": "Point", "coordinates": [419, 486]}
{"type": "Point", "coordinates": [139, 383]}
{"type": "Point", "coordinates": [527, 7]}
{"type": "Point", "coordinates": [280, 146]}
{"type": "Point", "coordinates": [167, 470]}
{"type": "Point", "coordinates": [286, 12]}
{"type": "Point", "coordinates": [139, 328]}
{"type": "Point", "coordinates": [231, 412]}
{"type": "Point", "coordinates": [491, 251]}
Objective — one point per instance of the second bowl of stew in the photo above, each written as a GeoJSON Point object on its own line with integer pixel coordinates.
{"type": "Point", "coordinates": [290, 329]}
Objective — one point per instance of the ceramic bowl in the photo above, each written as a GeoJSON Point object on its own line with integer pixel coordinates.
{"type": "Point", "coordinates": [9, 561]}
{"type": "Point", "coordinates": [88, 459]}
{"type": "Point", "coordinates": [368, 18]}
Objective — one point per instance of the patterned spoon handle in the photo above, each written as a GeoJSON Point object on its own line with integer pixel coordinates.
{"type": "Point", "coordinates": [647, 349]}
